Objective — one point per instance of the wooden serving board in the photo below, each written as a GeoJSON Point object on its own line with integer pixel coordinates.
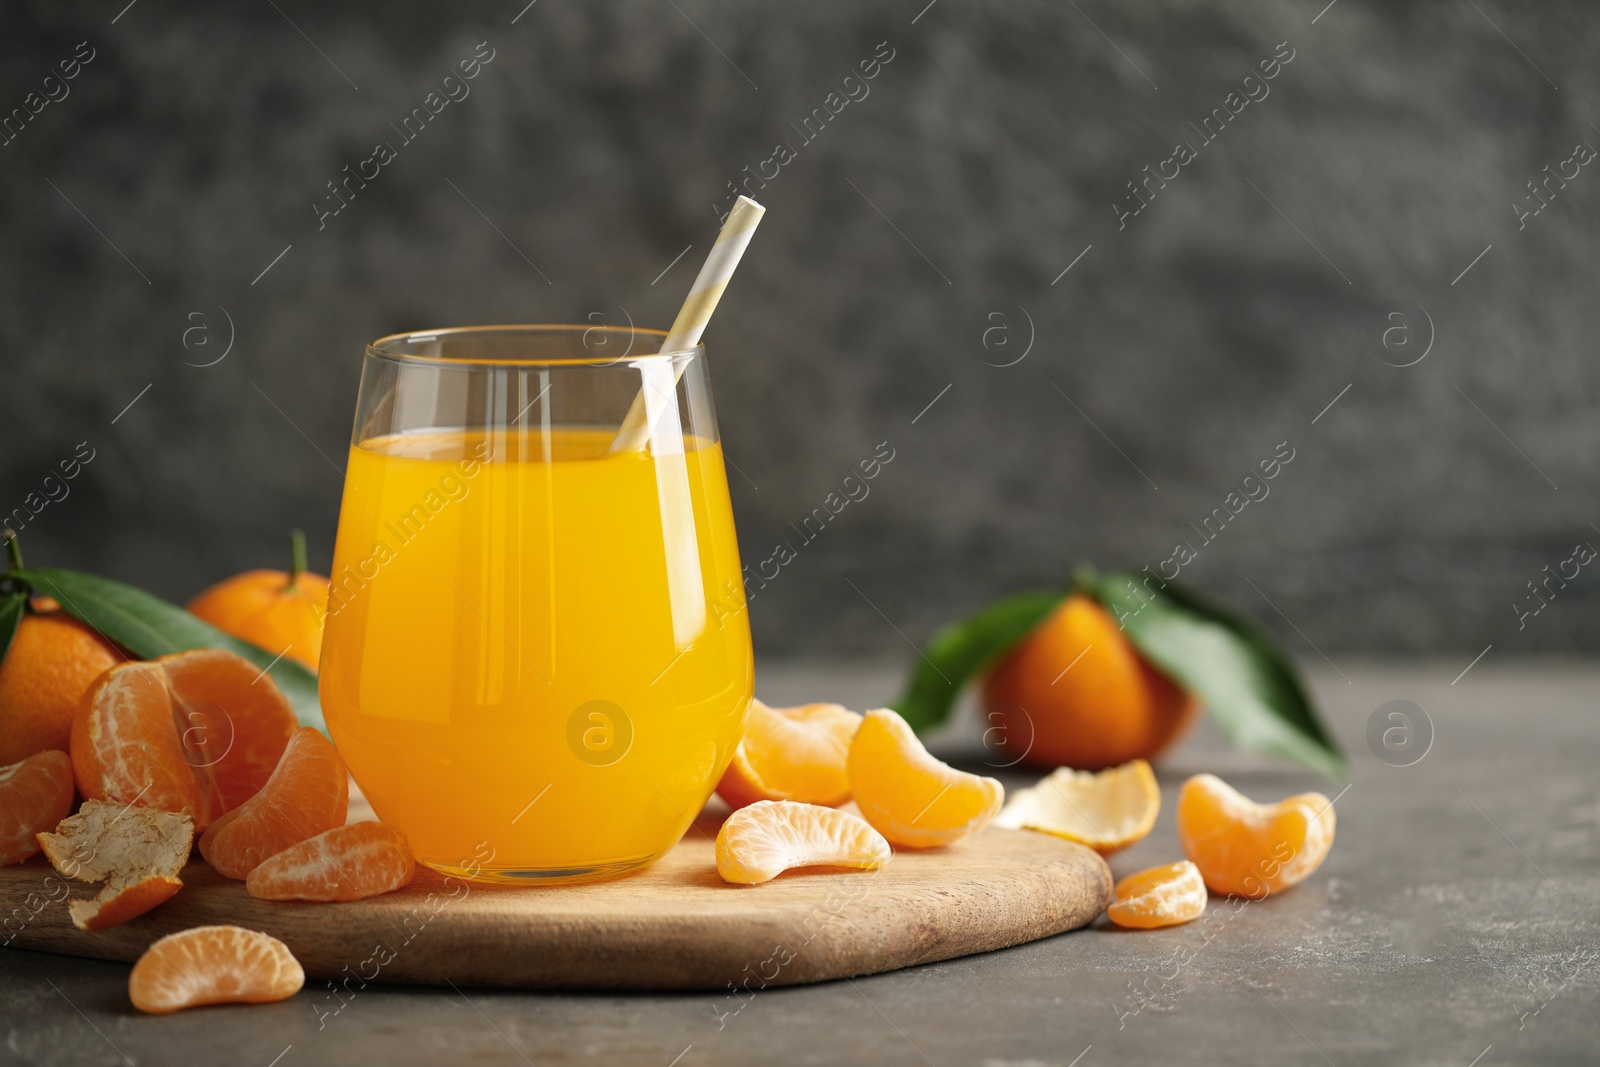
{"type": "Point", "coordinates": [675, 925]}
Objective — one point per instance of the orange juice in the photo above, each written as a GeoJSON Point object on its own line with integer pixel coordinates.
{"type": "Point", "coordinates": [537, 659]}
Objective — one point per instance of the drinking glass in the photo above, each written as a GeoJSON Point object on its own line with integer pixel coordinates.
{"type": "Point", "coordinates": [537, 658]}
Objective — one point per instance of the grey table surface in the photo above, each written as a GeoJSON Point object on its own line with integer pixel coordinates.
{"type": "Point", "coordinates": [1454, 923]}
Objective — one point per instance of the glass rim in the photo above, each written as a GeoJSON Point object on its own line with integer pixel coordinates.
{"type": "Point", "coordinates": [387, 347]}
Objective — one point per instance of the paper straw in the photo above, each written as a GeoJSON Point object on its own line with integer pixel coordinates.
{"type": "Point", "coordinates": [696, 311]}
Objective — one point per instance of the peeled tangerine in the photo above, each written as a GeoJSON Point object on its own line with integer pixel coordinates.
{"type": "Point", "coordinates": [791, 754]}
{"type": "Point", "coordinates": [35, 794]}
{"type": "Point", "coordinates": [213, 965]}
{"type": "Point", "coordinates": [759, 842]}
{"type": "Point", "coordinates": [138, 853]}
{"type": "Point", "coordinates": [350, 862]}
{"type": "Point", "coordinates": [1107, 811]}
{"type": "Point", "coordinates": [1249, 849]}
{"type": "Point", "coordinates": [908, 796]}
{"type": "Point", "coordinates": [1160, 896]}
{"type": "Point", "coordinates": [196, 732]}
{"type": "Point", "coordinates": [308, 793]}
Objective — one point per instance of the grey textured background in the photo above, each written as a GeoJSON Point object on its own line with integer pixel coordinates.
{"type": "Point", "coordinates": [1176, 353]}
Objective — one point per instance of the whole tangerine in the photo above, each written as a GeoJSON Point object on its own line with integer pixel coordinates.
{"type": "Point", "coordinates": [279, 611]}
{"type": "Point", "coordinates": [52, 660]}
{"type": "Point", "coordinates": [1076, 693]}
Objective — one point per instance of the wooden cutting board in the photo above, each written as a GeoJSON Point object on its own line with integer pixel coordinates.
{"type": "Point", "coordinates": [675, 925]}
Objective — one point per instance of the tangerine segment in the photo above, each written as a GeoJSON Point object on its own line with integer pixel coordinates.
{"type": "Point", "coordinates": [137, 852]}
{"type": "Point", "coordinates": [759, 842]}
{"type": "Point", "coordinates": [791, 754]}
{"type": "Point", "coordinates": [350, 862]}
{"type": "Point", "coordinates": [195, 732]}
{"type": "Point", "coordinates": [1249, 849]}
{"type": "Point", "coordinates": [1160, 896]}
{"type": "Point", "coordinates": [908, 796]}
{"type": "Point", "coordinates": [125, 746]}
{"type": "Point", "coordinates": [213, 965]}
{"type": "Point", "coordinates": [1107, 811]}
{"type": "Point", "coordinates": [308, 793]}
{"type": "Point", "coordinates": [35, 794]}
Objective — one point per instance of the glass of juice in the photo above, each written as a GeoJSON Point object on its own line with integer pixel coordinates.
{"type": "Point", "coordinates": [537, 657]}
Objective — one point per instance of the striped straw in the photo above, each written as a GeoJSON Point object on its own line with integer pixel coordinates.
{"type": "Point", "coordinates": [696, 311]}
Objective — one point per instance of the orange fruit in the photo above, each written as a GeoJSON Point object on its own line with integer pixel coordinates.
{"type": "Point", "coordinates": [278, 611]}
{"type": "Point", "coordinates": [1160, 896]}
{"type": "Point", "coordinates": [1107, 811]}
{"type": "Point", "coordinates": [35, 794]}
{"type": "Point", "coordinates": [51, 662]}
{"type": "Point", "coordinates": [791, 754]}
{"type": "Point", "coordinates": [308, 793]}
{"type": "Point", "coordinates": [137, 852]}
{"type": "Point", "coordinates": [759, 842]}
{"type": "Point", "coordinates": [908, 796]}
{"type": "Point", "coordinates": [1076, 693]}
{"type": "Point", "coordinates": [1249, 849]}
{"type": "Point", "coordinates": [350, 862]}
{"type": "Point", "coordinates": [195, 732]}
{"type": "Point", "coordinates": [213, 965]}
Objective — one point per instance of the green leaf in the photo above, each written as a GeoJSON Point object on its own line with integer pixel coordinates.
{"type": "Point", "coordinates": [1247, 680]}
{"type": "Point", "coordinates": [963, 649]}
{"type": "Point", "coordinates": [12, 606]}
{"type": "Point", "coordinates": [148, 627]}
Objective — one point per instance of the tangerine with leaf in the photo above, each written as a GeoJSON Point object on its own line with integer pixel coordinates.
{"type": "Point", "coordinates": [1116, 669]}
{"type": "Point", "coordinates": [49, 661]}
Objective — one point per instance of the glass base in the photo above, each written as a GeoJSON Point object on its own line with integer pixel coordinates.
{"type": "Point", "coordinates": [534, 876]}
